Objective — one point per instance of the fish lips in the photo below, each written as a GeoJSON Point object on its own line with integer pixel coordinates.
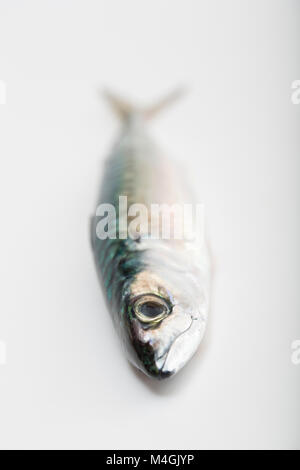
{"type": "Point", "coordinates": [182, 348]}
{"type": "Point", "coordinates": [179, 352]}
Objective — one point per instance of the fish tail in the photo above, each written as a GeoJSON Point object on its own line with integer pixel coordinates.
{"type": "Point", "coordinates": [125, 109]}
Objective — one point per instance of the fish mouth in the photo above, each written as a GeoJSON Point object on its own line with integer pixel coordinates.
{"type": "Point", "coordinates": [162, 375]}
{"type": "Point", "coordinates": [157, 367]}
{"type": "Point", "coordinates": [182, 348]}
{"type": "Point", "coordinates": [149, 363]}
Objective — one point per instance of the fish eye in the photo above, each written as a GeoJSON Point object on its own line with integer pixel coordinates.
{"type": "Point", "coordinates": [151, 308]}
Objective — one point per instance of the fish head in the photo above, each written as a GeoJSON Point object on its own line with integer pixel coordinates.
{"type": "Point", "coordinates": [166, 317]}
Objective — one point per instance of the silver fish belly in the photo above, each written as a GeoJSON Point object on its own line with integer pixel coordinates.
{"type": "Point", "coordinates": [157, 289]}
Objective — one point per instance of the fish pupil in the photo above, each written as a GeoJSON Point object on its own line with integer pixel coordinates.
{"type": "Point", "coordinates": [151, 309]}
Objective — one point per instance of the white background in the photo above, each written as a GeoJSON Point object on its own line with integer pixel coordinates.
{"type": "Point", "coordinates": [65, 383]}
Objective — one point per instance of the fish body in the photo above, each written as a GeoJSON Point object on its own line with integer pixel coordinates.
{"type": "Point", "coordinates": [157, 289]}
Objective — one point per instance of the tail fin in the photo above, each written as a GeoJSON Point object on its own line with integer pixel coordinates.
{"type": "Point", "coordinates": [124, 109]}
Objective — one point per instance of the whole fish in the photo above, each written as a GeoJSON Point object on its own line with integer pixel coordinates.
{"type": "Point", "coordinates": [157, 288]}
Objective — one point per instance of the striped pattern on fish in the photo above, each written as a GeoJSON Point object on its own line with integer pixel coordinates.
{"type": "Point", "coordinates": [157, 290]}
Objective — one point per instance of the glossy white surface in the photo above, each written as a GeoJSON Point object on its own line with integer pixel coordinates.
{"type": "Point", "coordinates": [64, 383]}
